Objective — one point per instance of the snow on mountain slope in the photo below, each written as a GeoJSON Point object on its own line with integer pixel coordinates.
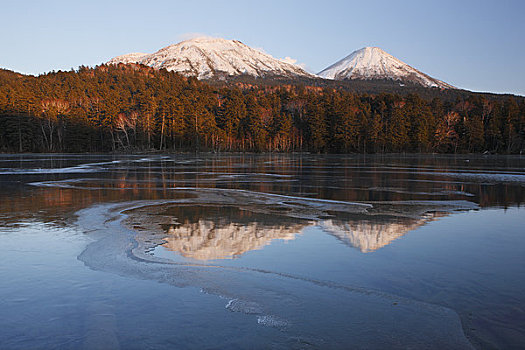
{"type": "Point", "coordinates": [371, 63]}
{"type": "Point", "coordinates": [207, 58]}
{"type": "Point", "coordinates": [129, 58]}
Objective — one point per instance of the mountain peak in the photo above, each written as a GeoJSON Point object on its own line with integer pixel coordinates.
{"type": "Point", "coordinates": [208, 57]}
{"type": "Point", "coordinates": [373, 63]}
{"type": "Point", "coordinates": [129, 58]}
{"type": "Point", "coordinates": [204, 40]}
{"type": "Point", "coordinates": [371, 48]}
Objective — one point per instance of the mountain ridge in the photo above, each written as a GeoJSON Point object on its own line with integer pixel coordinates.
{"type": "Point", "coordinates": [221, 59]}
{"type": "Point", "coordinates": [207, 58]}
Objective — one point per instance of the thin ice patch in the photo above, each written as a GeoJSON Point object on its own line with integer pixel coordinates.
{"type": "Point", "coordinates": [272, 321]}
{"type": "Point", "coordinates": [244, 306]}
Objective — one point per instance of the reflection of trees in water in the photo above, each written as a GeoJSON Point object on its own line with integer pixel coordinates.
{"type": "Point", "coordinates": [358, 178]}
{"type": "Point", "coordinates": [52, 204]}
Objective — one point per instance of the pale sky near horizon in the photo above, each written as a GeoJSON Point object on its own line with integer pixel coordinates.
{"type": "Point", "coordinates": [475, 45]}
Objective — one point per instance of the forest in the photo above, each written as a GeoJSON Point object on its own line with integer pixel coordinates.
{"type": "Point", "coordinates": [133, 108]}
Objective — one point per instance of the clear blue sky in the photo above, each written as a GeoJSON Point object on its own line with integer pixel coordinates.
{"type": "Point", "coordinates": [476, 45]}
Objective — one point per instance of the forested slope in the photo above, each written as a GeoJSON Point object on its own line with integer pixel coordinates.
{"type": "Point", "coordinates": [136, 108]}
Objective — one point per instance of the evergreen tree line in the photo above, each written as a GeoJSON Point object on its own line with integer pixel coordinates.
{"type": "Point", "coordinates": [131, 108]}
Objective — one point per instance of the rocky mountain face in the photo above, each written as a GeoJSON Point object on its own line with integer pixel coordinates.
{"type": "Point", "coordinates": [217, 58]}
{"type": "Point", "coordinates": [207, 58]}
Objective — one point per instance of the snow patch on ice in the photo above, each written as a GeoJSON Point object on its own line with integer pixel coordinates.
{"type": "Point", "coordinates": [272, 321]}
{"type": "Point", "coordinates": [247, 307]}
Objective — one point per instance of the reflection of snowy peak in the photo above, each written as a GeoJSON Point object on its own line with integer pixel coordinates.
{"type": "Point", "coordinates": [368, 236]}
{"type": "Point", "coordinates": [209, 240]}
{"type": "Point", "coordinates": [371, 63]}
{"type": "Point", "coordinates": [207, 58]}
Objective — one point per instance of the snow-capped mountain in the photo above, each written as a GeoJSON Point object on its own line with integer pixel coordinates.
{"type": "Point", "coordinates": [206, 58]}
{"type": "Point", "coordinates": [129, 58]}
{"type": "Point", "coordinates": [372, 63]}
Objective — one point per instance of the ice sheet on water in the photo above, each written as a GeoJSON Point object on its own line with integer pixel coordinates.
{"type": "Point", "coordinates": [324, 312]}
{"type": "Point", "coordinates": [272, 321]}
{"type": "Point", "coordinates": [291, 206]}
{"type": "Point", "coordinates": [443, 192]}
{"type": "Point", "coordinates": [461, 193]}
{"type": "Point", "coordinates": [82, 168]}
{"type": "Point", "coordinates": [244, 306]}
{"type": "Point", "coordinates": [68, 170]}
{"type": "Point", "coordinates": [485, 177]}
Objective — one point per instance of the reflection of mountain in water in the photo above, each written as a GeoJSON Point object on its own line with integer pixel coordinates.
{"type": "Point", "coordinates": [367, 235]}
{"type": "Point", "coordinates": [206, 232]}
{"type": "Point", "coordinates": [210, 232]}
{"type": "Point", "coordinates": [209, 240]}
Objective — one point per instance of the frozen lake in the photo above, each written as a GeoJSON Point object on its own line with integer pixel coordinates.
{"type": "Point", "coordinates": [262, 251]}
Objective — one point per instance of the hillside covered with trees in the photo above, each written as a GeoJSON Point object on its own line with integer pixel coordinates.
{"type": "Point", "coordinates": [130, 108]}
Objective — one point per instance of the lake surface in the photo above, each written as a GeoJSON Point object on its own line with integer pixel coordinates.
{"type": "Point", "coordinates": [262, 252]}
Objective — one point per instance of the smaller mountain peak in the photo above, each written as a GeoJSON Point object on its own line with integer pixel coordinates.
{"type": "Point", "coordinates": [373, 63]}
{"type": "Point", "coordinates": [371, 48]}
